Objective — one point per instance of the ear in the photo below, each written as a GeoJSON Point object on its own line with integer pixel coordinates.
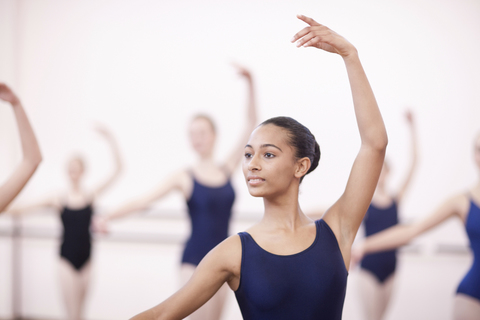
{"type": "Point", "coordinates": [303, 165]}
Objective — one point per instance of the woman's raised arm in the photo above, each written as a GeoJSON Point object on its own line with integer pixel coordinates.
{"type": "Point", "coordinates": [414, 156]}
{"type": "Point", "coordinates": [236, 155]}
{"type": "Point", "coordinates": [30, 149]}
{"type": "Point", "coordinates": [345, 216]}
{"type": "Point", "coordinates": [118, 166]}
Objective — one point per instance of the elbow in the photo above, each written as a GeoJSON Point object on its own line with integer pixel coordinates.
{"type": "Point", "coordinates": [380, 142]}
{"type": "Point", "coordinates": [33, 162]}
{"type": "Point", "coordinates": [409, 233]}
{"type": "Point", "coordinates": [34, 158]}
{"type": "Point", "coordinates": [37, 161]}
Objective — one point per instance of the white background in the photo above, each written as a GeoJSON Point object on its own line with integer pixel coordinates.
{"type": "Point", "coordinates": [143, 68]}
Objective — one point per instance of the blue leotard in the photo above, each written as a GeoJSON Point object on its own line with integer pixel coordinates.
{"type": "Point", "coordinates": [308, 285]}
{"type": "Point", "coordinates": [210, 209]}
{"type": "Point", "coordinates": [470, 284]}
{"type": "Point", "coordinates": [381, 264]}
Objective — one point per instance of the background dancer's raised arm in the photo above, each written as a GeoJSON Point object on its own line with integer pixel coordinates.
{"type": "Point", "coordinates": [31, 156]}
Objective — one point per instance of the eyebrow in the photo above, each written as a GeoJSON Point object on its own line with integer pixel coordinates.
{"type": "Point", "coordinates": [264, 146]}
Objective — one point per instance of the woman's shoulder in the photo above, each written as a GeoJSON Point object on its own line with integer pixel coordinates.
{"type": "Point", "coordinates": [459, 203]}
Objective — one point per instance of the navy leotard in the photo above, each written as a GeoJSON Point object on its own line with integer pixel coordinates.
{"type": "Point", "coordinates": [470, 284]}
{"type": "Point", "coordinates": [76, 239]}
{"type": "Point", "coordinates": [308, 285]}
{"type": "Point", "coordinates": [381, 264]}
{"type": "Point", "coordinates": [210, 209]}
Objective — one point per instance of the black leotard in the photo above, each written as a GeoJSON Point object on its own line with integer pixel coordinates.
{"type": "Point", "coordinates": [76, 244]}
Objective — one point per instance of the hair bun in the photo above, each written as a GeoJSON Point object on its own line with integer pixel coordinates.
{"type": "Point", "coordinates": [316, 158]}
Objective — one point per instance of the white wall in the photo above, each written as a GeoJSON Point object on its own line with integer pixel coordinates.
{"type": "Point", "coordinates": [144, 67]}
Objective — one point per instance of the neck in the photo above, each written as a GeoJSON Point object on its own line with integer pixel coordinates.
{"type": "Point", "coordinates": [284, 212]}
{"type": "Point", "coordinates": [75, 186]}
{"type": "Point", "coordinates": [206, 159]}
{"type": "Point", "coordinates": [379, 191]}
{"type": "Point", "coordinates": [477, 186]}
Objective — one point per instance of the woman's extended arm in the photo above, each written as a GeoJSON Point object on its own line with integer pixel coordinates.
{"type": "Point", "coordinates": [400, 235]}
{"type": "Point", "coordinates": [414, 155]}
{"type": "Point", "coordinates": [220, 265]}
{"type": "Point", "coordinates": [31, 152]}
{"type": "Point", "coordinates": [236, 155]}
{"type": "Point", "coordinates": [345, 216]}
{"type": "Point", "coordinates": [116, 158]}
{"type": "Point", "coordinates": [50, 202]}
{"type": "Point", "coordinates": [178, 181]}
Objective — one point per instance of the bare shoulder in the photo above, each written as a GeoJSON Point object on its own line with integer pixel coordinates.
{"type": "Point", "coordinates": [460, 204]}
{"type": "Point", "coordinates": [226, 259]}
{"type": "Point", "coordinates": [230, 250]}
{"type": "Point", "coordinates": [56, 200]}
{"type": "Point", "coordinates": [180, 180]}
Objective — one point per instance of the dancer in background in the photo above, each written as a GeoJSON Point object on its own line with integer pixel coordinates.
{"type": "Point", "coordinates": [75, 206]}
{"type": "Point", "coordinates": [207, 189]}
{"type": "Point", "coordinates": [465, 206]}
{"type": "Point", "coordinates": [30, 150]}
{"type": "Point", "coordinates": [288, 266]}
{"type": "Point", "coordinates": [377, 272]}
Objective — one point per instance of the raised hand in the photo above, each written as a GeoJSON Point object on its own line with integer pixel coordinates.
{"type": "Point", "coordinates": [244, 72]}
{"type": "Point", "coordinates": [409, 117]}
{"type": "Point", "coordinates": [102, 130]}
{"type": "Point", "coordinates": [6, 94]}
{"type": "Point", "coordinates": [321, 37]}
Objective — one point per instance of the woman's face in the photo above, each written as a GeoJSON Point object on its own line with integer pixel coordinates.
{"type": "Point", "coordinates": [202, 136]}
{"type": "Point", "coordinates": [75, 169]}
{"type": "Point", "coordinates": [269, 163]}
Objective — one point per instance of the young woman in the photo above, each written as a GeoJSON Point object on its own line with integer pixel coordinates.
{"type": "Point", "coordinates": [31, 152]}
{"type": "Point", "coordinates": [465, 206]}
{"type": "Point", "coordinates": [209, 194]}
{"type": "Point", "coordinates": [288, 266]}
{"type": "Point", "coordinates": [76, 207]}
{"type": "Point", "coordinates": [377, 272]}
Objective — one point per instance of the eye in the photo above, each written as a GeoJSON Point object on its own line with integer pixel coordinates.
{"type": "Point", "coordinates": [269, 155]}
{"type": "Point", "coordinates": [248, 155]}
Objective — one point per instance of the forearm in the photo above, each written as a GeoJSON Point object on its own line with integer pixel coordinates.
{"type": "Point", "coordinates": [414, 149]}
{"type": "Point", "coordinates": [389, 239]}
{"type": "Point", "coordinates": [30, 149]}
{"type": "Point", "coordinates": [252, 106]}
{"type": "Point", "coordinates": [146, 315]}
{"type": "Point", "coordinates": [127, 209]}
{"type": "Point", "coordinates": [116, 156]}
{"type": "Point", "coordinates": [369, 120]}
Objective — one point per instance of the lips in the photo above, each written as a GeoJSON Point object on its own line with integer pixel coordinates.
{"type": "Point", "coordinates": [254, 180]}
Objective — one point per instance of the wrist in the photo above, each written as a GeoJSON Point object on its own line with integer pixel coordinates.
{"type": "Point", "coordinates": [16, 103]}
{"type": "Point", "coordinates": [351, 56]}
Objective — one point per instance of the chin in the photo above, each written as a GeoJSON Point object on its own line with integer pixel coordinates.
{"type": "Point", "coordinates": [256, 192]}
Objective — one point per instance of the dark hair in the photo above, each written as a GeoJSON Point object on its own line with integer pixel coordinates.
{"type": "Point", "coordinates": [300, 138]}
{"type": "Point", "coordinates": [207, 118]}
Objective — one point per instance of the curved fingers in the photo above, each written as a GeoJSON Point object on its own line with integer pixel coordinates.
{"type": "Point", "coordinates": [316, 33]}
{"type": "Point", "coordinates": [308, 20]}
{"type": "Point", "coordinates": [300, 34]}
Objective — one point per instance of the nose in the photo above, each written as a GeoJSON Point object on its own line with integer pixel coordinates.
{"type": "Point", "coordinates": [254, 164]}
